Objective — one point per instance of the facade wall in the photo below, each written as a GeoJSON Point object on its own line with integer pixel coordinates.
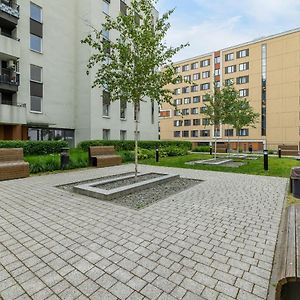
{"type": "Point", "coordinates": [282, 92]}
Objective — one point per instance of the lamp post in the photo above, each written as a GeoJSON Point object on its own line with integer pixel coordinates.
{"type": "Point", "coordinates": [266, 160]}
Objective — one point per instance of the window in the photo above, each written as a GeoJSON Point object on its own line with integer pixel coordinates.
{"type": "Point", "coordinates": [106, 134]}
{"type": "Point", "coordinates": [204, 133]}
{"type": "Point", "coordinates": [36, 12]}
{"type": "Point", "coordinates": [35, 43]}
{"type": "Point", "coordinates": [205, 122]}
{"type": "Point", "coordinates": [187, 78]}
{"type": "Point", "coordinates": [195, 88]}
{"type": "Point", "coordinates": [203, 109]}
{"type": "Point", "coordinates": [152, 112]}
{"type": "Point", "coordinates": [244, 66]}
{"type": "Point", "coordinates": [165, 114]}
{"type": "Point", "coordinates": [205, 63]}
{"type": "Point", "coordinates": [229, 81]}
{"type": "Point", "coordinates": [123, 134]}
{"type": "Point", "coordinates": [230, 69]}
{"type": "Point", "coordinates": [229, 56]}
{"type": "Point", "coordinates": [205, 98]}
{"type": "Point", "coordinates": [185, 133]}
{"type": "Point", "coordinates": [196, 99]}
{"type": "Point", "coordinates": [187, 123]}
{"type": "Point", "coordinates": [244, 92]}
{"type": "Point", "coordinates": [185, 90]}
{"type": "Point", "coordinates": [196, 76]}
{"type": "Point", "coordinates": [185, 68]}
{"type": "Point", "coordinates": [218, 84]}
{"type": "Point", "coordinates": [217, 72]}
{"type": "Point", "coordinates": [178, 80]}
{"type": "Point", "coordinates": [177, 112]}
{"type": "Point", "coordinates": [194, 65]}
{"type": "Point", "coordinates": [187, 100]}
{"type": "Point", "coordinates": [185, 112]}
{"type": "Point", "coordinates": [105, 34]}
{"type": "Point", "coordinates": [242, 80]}
{"type": "Point", "coordinates": [205, 86]}
{"type": "Point", "coordinates": [194, 133]}
{"type": "Point", "coordinates": [36, 104]}
{"type": "Point", "coordinates": [105, 7]}
{"type": "Point", "coordinates": [242, 53]}
{"type": "Point", "coordinates": [217, 60]}
{"type": "Point", "coordinates": [196, 122]}
{"type": "Point", "coordinates": [177, 91]}
{"type": "Point", "coordinates": [177, 70]}
{"type": "Point", "coordinates": [205, 74]}
{"type": "Point", "coordinates": [123, 8]}
{"type": "Point", "coordinates": [123, 107]}
{"type": "Point", "coordinates": [36, 73]}
{"type": "Point", "coordinates": [105, 103]}
{"type": "Point", "coordinates": [177, 101]}
{"type": "Point", "coordinates": [176, 134]}
{"type": "Point", "coordinates": [178, 123]}
{"type": "Point", "coordinates": [228, 132]}
{"type": "Point", "coordinates": [195, 111]}
{"type": "Point", "coordinates": [243, 132]}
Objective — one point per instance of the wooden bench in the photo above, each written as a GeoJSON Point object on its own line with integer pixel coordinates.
{"type": "Point", "coordinates": [104, 156]}
{"type": "Point", "coordinates": [12, 164]}
{"type": "Point", "coordinates": [288, 287]}
{"type": "Point", "coordinates": [221, 148]}
{"type": "Point", "coordinates": [289, 150]}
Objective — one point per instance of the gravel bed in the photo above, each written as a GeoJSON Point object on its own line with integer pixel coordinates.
{"type": "Point", "coordinates": [127, 181]}
{"type": "Point", "coordinates": [146, 197]}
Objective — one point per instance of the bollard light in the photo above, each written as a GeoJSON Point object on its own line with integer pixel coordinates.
{"type": "Point", "coordinates": [266, 160]}
{"type": "Point", "coordinates": [279, 152]}
{"type": "Point", "coordinates": [156, 155]}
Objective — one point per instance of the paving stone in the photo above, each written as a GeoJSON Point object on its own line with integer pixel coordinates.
{"type": "Point", "coordinates": [12, 292]}
{"type": "Point", "coordinates": [121, 291]}
{"type": "Point", "coordinates": [88, 287]}
{"type": "Point", "coordinates": [151, 292]}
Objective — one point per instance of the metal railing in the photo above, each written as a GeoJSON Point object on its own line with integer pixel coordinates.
{"type": "Point", "coordinates": [9, 36]}
{"type": "Point", "coordinates": [10, 8]}
{"type": "Point", "coordinates": [7, 77]}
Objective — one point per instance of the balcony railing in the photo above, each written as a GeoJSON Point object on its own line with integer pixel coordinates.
{"type": "Point", "coordinates": [6, 77]}
{"type": "Point", "coordinates": [10, 8]}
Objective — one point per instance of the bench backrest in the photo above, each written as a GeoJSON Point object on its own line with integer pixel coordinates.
{"type": "Point", "coordinates": [11, 154]}
{"type": "Point", "coordinates": [101, 150]}
{"type": "Point", "coordinates": [288, 147]}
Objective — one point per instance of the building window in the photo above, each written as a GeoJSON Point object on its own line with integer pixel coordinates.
{"type": "Point", "coordinates": [230, 69]}
{"type": "Point", "coordinates": [187, 100]}
{"type": "Point", "coordinates": [242, 53]}
{"type": "Point", "coordinates": [187, 123]}
{"type": "Point", "coordinates": [243, 132]}
{"type": "Point", "coordinates": [242, 80]}
{"type": "Point", "coordinates": [178, 123]}
{"type": "Point", "coordinates": [205, 74]}
{"type": "Point", "coordinates": [205, 122]}
{"type": "Point", "coordinates": [217, 72]}
{"type": "Point", "coordinates": [185, 112]}
{"type": "Point", "coordinates": [123, 8]}
{"type": "Point", "coordinates": [203, 109]}
{"type": "Point", "coordinates": [123, 134]}
{"type": "Point", "coordinates": [244, 66]}
{"type": "Point", "coordinates": [36, 73]}
{"type": "Point", "coordinates": [177, 70]}
{"type": "Point", "coordinates": [217, 60]}
{"type": "Point", "coordinates": [228, 132]}
{"type": "Point", "coordinates": [218, 84]}
{"type": "Point", "coordinates": [36, 89]}
{"type": "Point", "coordinates": [194, 65]}
{"type": "Point", "coordinates": [35, 43]}
{"type": "Point", "coordinates": [205, 86]}
{"type": "Point", "coordinates": [229, 56]}
{"type": "Point", "coordinates": [177, 101]}
{"type": "Point", "coordinates": [36, 13]}
{"type": "Point", "coordinates": [194, 133]}
{"type": "Point", "coordinates": [205, 63]}
{"type": "Point", "coordinates": [185, 68]}
{"type": "Point", "coordinates": [195, 111]}
{"type": "Point", "coordinates": [205, 98]}
{"type": "Point", "coordinates": [244, 93]}
{"type": "Point", "coordinates": [36, 104]}
{"type": "Point", "coordinates": [106, 103]}
{"type": "Point", "coordinates": [106, 134]}
{"type": "Point", "coordinates": [196, 99]}
{"type": "Point", "coordinates": [123, 108]}
{"type": "Point", "coordinates": [185, 90]}
{"type": "Point", "coordinates": [196, 76]}
{"type": "Point", "coordinates": [195, 88]}
{"type": "Point", "coordinates": [177, 112]}
{"type": "Point", "coordinates": [185, 133]}
{"type": "Point", "coordinates": [196, 122]}
{"type": "Point", "coordinates": [177, 91]}
{"type": "Point", "coordinates": [205, 133]}
{"type": "Point", "coordinates": [177, 134]}
{"type": "Point", "coordinates": [229, 81]}
{"type": "Point", "coordinates": [187, 78]}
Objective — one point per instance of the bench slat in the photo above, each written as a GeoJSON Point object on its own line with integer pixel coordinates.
{"type": "Point", "coordinates": [298, 239]}
{"type": "Point", "coordinates": [291, 249]}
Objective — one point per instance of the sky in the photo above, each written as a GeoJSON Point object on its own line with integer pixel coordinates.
{"type": "Point", "coordinates": [211, 25]}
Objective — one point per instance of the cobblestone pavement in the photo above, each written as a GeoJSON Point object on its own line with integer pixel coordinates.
{"type": "Point", "coordinates": [214, 241]}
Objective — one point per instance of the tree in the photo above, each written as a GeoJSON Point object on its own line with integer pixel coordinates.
{"type": "Point", "coordinates": [130, 68]}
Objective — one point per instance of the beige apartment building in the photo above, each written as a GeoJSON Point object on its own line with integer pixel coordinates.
{"type": "Point", "coordinates": [266, 71]}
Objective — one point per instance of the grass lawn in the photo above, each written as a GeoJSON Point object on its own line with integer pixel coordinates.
{"type": "Point", "coordinates": [277, 167]}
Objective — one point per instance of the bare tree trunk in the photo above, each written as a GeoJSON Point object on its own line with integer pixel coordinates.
{"type": "Point", "coordinates": [136, 142]}
{"type": "Point", "coordinates": [238, 145]}
{"type": "Point", "coordinates": [215, 147]}
{"type": "Point", "coordinates": [228, 141]}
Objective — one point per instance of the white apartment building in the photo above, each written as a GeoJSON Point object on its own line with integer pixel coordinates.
{"type": "Point", "coordinates": [45, 92]}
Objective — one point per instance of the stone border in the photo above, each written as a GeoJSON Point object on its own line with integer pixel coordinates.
{"type": "Point", "coordinates": [90, 190]}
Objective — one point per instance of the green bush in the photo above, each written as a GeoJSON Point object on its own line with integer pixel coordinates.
{"type": "Point", "coordinates": [201, 149]}
{"type": "Point", "coordinates": [129, 145]}
{"type": "Point", "coordinates": [36, 148]}
{"type": "Point", "coordinates": [175, 151]}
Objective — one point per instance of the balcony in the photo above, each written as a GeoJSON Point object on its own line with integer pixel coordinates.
{"type": "Point", "coordinates": [9, 48]}
{"type": "Point", "coordinates": [9, 81]}
{"type": "Point", "coordinates": [9, 13]}
{"type": "Point", "coordinates": [12, 114]}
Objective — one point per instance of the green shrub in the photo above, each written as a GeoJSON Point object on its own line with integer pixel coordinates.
{"type": "Point", "coordinates": [129, 145]}
{"type": "Point", "coordinates": [175, 151]}
{"type": "Point", "coordinates": [36, 147]}
{"type": "Point", "coordinates": [201, 149]}
{"type": "Point", "coordinates": [127, 156]}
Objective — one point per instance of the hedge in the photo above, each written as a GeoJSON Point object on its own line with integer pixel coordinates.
{"type": "Point", "coordinates": [36, 147]}
{"type": "Point", "coordinates": [129, 145]}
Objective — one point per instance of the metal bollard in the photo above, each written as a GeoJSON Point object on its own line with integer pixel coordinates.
{"type": "Point", "coordinates": [64, 158]}
{"type": "Point", "coordinates": [156, 155]}
{"type": "Point", "coordinates": [210, 150]}
{"type": "Point", "coordinates": [279, 152]}
{"type": "Point", "coordinates": [266, 160]}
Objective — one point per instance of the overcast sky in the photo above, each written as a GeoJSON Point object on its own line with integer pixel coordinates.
{"type": "Point", "coordinates": [210, 25]}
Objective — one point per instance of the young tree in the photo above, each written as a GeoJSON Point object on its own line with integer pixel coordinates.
{"type": "Point", "coordinates": [130, 68]}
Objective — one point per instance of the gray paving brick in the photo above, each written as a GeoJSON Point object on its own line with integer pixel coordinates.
{"type": "Point", "coordinates": [121, 291]}
{"type": "Point", "coordinates": [151, 292]}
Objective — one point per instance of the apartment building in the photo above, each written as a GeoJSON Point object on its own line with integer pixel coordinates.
{"type": "Point", "coordinates": [266, 71]}
{"type": "Point", "coordinates": [45, 92]}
